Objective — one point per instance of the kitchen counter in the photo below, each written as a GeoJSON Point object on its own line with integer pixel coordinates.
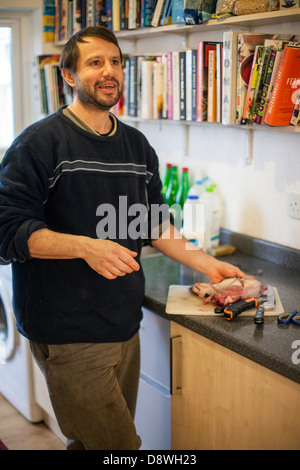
{"type": "Point", "coordinates": [269, 344]}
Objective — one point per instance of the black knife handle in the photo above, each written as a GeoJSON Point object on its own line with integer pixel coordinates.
{"type": "Point", "coordinates": [259, 316]}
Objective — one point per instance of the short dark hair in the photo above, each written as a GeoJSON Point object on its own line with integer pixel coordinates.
{"type": "Point", "coordinates": [70, 53]}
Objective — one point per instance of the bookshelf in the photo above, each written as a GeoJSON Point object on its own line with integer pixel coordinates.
{"type": "Point", "coordinates": [129, 38]}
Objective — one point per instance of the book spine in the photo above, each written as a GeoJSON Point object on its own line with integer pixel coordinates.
{"type": "Point", "coordinates": [295, 119]}
{"type": "Point", "coordinates": [212, 87]}
{"type": "Point", "coordinates": [188, 84]}
{"type": "Point", "coordinates": [109, 13]}
{"type": "Point", "coordinates": [83, 14]}
{"type": "Point", "coordinates": [182, 84]}
{"type": "Point", "coordinates": [49, 21]}
{"type": "Point", "coordinates": [158, 12]}
{"type": "Point", "coordinates": [266, 54]}
{"type": "Point", "coordinates": [261, 104]}
{"type": "Point", "coordinates": [165, 87]}
{"type": "Point", "coordinates": [175, 77]}
{"type": "Point", "coordinates": [159, 90]}
{"type": "Point", "coordinates": [147, 89]}
{"type": "Point", "coordinates": [163, 17]}
{"type": "Point", "coordinates": [250, 98]}
{"type": "Point", "coordinates": [273, 77]}
{"type": "Point", "coordinates": [132, 14]}
{"type": "Point", "coordinates": [229, 77]}
{"type": "Point", "coordinates": [100, 12]}
{"type": "Point", "coordinates": [126, 87]}
{"type": "Point", "coordinates": [219, 54]}
{"type": "Point", "coordinates": [200, 59]}
{"type": "Point", "coordinates": [194, 83]}
{"type": "Point", "coordinates": [274, 96]}
{"type": "Point", "coordinates": [76, 16]}
{"type": "Point", "coordinates": [170, 85]}
{"type": "Point", "coordinates": [90, 12]}
{"type": "Point", "coordinates": [132, 98]}
{"type": "Point", "coordinates": [177, 11]}
{"type": "Point", "coordinates": [116, 15]}
{"type": "Point", "coordinates": [256, 77]}
{"type": "Point", "coordinates": [147, 13]}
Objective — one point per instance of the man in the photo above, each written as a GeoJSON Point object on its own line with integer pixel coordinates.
{"type": "Point", "coordinates": [78, 297]}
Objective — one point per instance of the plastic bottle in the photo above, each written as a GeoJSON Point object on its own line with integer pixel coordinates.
{"type": "Point", "coordinates": [183, 188]}
{"type": "Point", "coordinates": [167, 179]}
{"type": "Point", "coordinates": [193, 220]}
{"type": "Point", "coordinates": [212, 209]}
{"type": "Point", "coordinates": [197, 189]}
{"type": "Point", "coordinates": [172, 189]}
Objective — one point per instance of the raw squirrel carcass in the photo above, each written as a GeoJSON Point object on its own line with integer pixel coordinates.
{"type": "Point", "coordinates": [229, 290]}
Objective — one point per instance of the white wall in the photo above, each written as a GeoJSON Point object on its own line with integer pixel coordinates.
{"type": "Point", "coordinates": [254, 196]}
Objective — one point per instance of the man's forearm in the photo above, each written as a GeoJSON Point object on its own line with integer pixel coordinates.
{"type": "Point", "coordinates": [172, 244]}
{"type": "Point", "coordinates": [47, 244]}
{"type": "Point", "coordinates": [104, 256]}
{"type": "Point", "coordinates": [175, 246]}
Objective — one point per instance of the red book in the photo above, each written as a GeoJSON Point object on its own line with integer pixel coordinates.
{"type": "Point", "coordinates": [286, 87]}
{"type": "Point", "coordinates": [202, 78]}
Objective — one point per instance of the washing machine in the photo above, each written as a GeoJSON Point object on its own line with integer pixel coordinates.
{"type": "Point", "coordinates": [16, 361]}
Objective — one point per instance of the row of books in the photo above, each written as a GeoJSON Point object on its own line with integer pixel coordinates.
{"type": "Point", "coordinates": [168, 86]}
{"type": "Point", "coordinates": [261, 78]}
{"type": "Point", "coordinates": [50, 83]}
{"type": "Point", "coordinates": [247, 79]}
{"type": "Point", "coordinates": [73, 15]}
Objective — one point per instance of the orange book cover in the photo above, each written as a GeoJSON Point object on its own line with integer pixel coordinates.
{"type": "Point", "coordinates": [285, 90]}
{"type": "Point", "coordinates": [212, 88]}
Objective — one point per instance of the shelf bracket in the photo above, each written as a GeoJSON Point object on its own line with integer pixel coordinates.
{"type": "Point", "coordinates": [248, 147]}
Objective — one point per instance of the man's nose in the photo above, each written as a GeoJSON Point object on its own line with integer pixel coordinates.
{"type": "Point", "coordinates": [108, 68]}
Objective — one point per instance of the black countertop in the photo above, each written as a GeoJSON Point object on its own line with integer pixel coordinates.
{"type": "Point", "coordinates": [269, 344]}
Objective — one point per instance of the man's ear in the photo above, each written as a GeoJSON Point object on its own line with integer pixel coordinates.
{"type": "Point", "coordinates": [69, 77]}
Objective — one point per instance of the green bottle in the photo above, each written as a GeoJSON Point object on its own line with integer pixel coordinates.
{"type": "Point", "coordinates": [183, 188]}
{"type": "Point", "coordinates": [167, 180]}
{"type": "Point", "coordinates": [173, 186]}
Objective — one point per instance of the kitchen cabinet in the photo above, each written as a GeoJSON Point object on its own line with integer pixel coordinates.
{"type": "Point", "coordinates": [222, 400]}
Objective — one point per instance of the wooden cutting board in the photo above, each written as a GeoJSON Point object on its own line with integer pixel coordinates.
{"type": "Point", "coordinates": [183, 302]}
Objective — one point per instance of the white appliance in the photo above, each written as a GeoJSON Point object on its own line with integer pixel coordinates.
{"type": "Point", "coordinates": [153, 409]}
{"type": "Point", "coordinates": [16, 362]}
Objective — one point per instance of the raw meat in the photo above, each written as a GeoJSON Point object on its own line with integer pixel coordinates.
{"type": "Point", "coordinates": [229, 290]}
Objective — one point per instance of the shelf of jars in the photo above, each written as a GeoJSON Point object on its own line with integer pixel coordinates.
{"type": "Point", "coordinates": [170, 122]}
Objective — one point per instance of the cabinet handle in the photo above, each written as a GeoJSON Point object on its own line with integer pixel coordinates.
{"type": "Point", "coordinates": [176, 365]}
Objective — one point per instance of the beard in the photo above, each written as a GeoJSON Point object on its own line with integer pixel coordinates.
{"type": "Point", "coordinates": [88, 95]}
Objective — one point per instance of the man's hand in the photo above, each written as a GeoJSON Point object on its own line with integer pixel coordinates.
{"type": "Point", "coordinates": [219, 270]}
{"type": "Point", "coordinates": [109, 258]}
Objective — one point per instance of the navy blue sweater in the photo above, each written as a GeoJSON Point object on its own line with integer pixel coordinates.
{"type": "Point", "coordinates": [55, 175]}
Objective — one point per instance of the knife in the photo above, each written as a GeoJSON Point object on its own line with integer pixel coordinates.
{"type": "Point", "coordinates": [268, 303]}
{"type": "Point", "coordinates": [235, 309]}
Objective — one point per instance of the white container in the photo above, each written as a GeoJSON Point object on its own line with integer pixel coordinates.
{"type": "Point", "coordinates": [212, 212]}
{"type": "Point", "coordinates": [197, 189]}
{"type": "Point", "coordinates": [193, 220]}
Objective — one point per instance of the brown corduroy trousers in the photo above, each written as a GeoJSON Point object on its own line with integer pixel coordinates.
{"type": "Point", "coordinates": [93, 391]}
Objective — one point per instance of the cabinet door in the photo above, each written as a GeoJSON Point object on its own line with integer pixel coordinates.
{"type": "Point", "coordinates": [227, 401]}
{"type": "Point", "coordinates": [153, 410]}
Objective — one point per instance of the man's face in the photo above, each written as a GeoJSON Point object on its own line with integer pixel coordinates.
{"type": "Point", "coordinates": [99, 75]}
